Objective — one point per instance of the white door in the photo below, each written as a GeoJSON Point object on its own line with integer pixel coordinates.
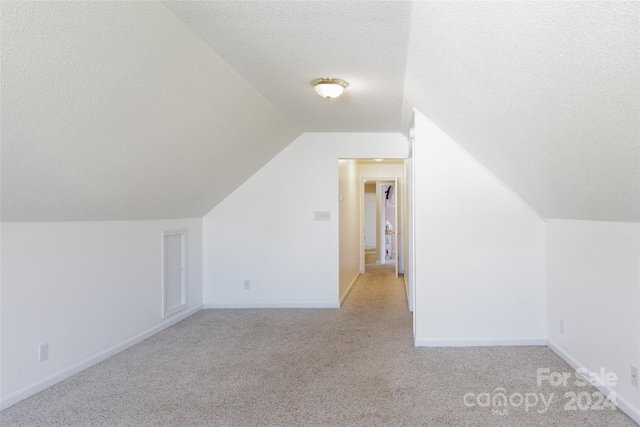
{"type": "Point", "coordinates": [382, 234]}
{"type": "Point", "coordinates": [395, 231]}
{"type": "Point", "coordinates": [174, 286]}
{"type": "Point", "coordinates": [369, 221]}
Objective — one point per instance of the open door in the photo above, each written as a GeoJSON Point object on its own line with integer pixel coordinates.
{"type": "Point", "coordinates": [389, 221]}
{"type": "Point", "coordinates": [396, 230]}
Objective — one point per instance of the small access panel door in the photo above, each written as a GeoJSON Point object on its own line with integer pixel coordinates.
{"type": "Point", "coordinates": [174, 277]}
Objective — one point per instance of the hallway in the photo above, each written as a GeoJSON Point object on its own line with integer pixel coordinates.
{"type": "Point", "coordinates": [380, 291]}
{"type": "Point", "coordinates": [354, 366]}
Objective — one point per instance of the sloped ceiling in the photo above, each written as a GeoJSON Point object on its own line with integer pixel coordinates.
{"type": "Point", "coordinates": [279, 47]}
{"type": "Point", "coordinates": [142, 110]}
{"type": "Point", "coordinates": [117, 111]}
{"type": "Point", "coordinates": [546, 95]}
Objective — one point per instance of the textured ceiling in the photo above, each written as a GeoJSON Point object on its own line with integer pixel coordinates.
{"type": "Point", "coordinates": [142, 110]}
{"type": "Point", "coordinates": [546, 95]}
{"type": "Point", "coordinates": [115, 111]}
{"type": "Point", "coordinates": [279, 47]}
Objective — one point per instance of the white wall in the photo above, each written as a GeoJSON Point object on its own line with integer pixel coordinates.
{"type": "Point", "coordinates": [594, 287]}
{"type": "Point", "coordinates": [89, 289]}
{"type": "Point", "coordinates": [479, 251]}
{"type": "Point", "coordinates": [407, 219]}
{"type": "Point", "coordinates": [349, 226]}
{"type": "Point", "coordinates": [265, 230]}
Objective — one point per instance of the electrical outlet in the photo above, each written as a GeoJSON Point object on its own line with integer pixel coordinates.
{"type": "Point", "coordinates": [562, 326]}
{"type": "Point", "coordinates": [43, 352]}
{"type": "Point", "coordinates": [634, 376]}
{"type": "Point", "coordinates": [247, 284]}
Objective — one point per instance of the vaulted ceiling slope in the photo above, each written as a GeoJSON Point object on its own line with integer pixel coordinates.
{"type": "Point", "coordinates": [117, 111]}
{"type": "Point", "coordinates": [142, 110]}
{"type": "Point", "coordinates": [279, 47]}
{"type": "Point", "coordinates": [546, 95]}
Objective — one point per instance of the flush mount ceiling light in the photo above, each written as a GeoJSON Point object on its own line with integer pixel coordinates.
{"type": "Point", "coordinates": [329, 88]}
{"type": "Point", "coordinates": [378, 160]}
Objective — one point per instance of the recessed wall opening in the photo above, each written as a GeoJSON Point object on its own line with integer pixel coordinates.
{"type": "Point", "coordinates": [373, 206]}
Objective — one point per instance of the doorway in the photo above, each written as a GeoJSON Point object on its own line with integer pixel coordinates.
{"type": "Point", "coordinates": [383, 200]}
{"type": "Point", "coordinates": [389, 220]}
{"type": "Point", "coordinates": [370, 223]}
{"type": "Point", "coordinates": [380, 223]}
{"type": "Point", "coordinates": [371, 230]}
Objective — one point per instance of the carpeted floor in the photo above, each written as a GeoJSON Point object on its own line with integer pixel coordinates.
{"type": "Point", "coordinates": [354, 366]}
{"type": "Point", "coordinates": [370, 256]}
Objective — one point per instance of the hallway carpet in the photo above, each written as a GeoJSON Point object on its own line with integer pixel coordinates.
{"type": "Point", "coordinates": [354, 366]}
{"type": "Point", "coordinates": [370, 256]}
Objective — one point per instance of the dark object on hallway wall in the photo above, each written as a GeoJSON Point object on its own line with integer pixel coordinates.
{"type": "Point", "coordinates": [388, 192]}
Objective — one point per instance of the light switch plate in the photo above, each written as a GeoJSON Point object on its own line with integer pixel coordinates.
{"type": "Point", "coordinates": [323, 216]}
{"type": "Point", "coordinates": [43, 352]}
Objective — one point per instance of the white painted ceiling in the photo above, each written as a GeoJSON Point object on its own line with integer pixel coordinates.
{"type": "Point", "coordinates": [546, 95]}
{"type": "Point", "coordinates": [116, 111]}
{"type": "Point", "coordinates": [383, 162]}
{"type": "Point", "coordinates": [142, 110]}
{"type": "Point", "coordinates": [279, 47]}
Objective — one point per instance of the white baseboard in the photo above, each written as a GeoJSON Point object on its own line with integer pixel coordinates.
{"type": "Point", "coordinates": [55, 378]}
{"type": "Point", "coordinates": [479, 342]}
{"type": "Point", "coordinates": [272, 305]}
{"type": "Point", "coordinates": [348, 291]}
{"type": "Point", "coordinates": [624, 405]}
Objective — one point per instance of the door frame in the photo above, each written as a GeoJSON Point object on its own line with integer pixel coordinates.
{"type": "Point", "coordinates": [379, 225]}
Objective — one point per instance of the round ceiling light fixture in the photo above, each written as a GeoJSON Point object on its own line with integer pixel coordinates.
{"type": "Point", "coordinates": [329, 88]}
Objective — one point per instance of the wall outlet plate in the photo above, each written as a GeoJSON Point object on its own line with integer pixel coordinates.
{"type": "Point", "coordinates": [634, 375]}
{"type": "Point", "coordinates": [43, 352]}
{"type": "Point", "coordinates": [562, 326]}
{"type": "Point", "coordinates": [247, 284]}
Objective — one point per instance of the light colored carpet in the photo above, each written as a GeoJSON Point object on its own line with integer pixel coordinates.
{"type": "Point", "coordinates": [370, 256]}
{"type": "Point", "coordinates": [354, 366]}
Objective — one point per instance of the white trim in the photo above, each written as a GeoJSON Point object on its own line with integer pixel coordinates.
{"type": "Point", "coordinates": [272, 305]}
{"type": "Point", "coordinates": [624, 405]}
{"type": "Point", "coordinates": [65, 373]}
{"type": "Point", "coordinates": [348, 291]}
{"type": "Point", "coordinates": [479, 342]}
